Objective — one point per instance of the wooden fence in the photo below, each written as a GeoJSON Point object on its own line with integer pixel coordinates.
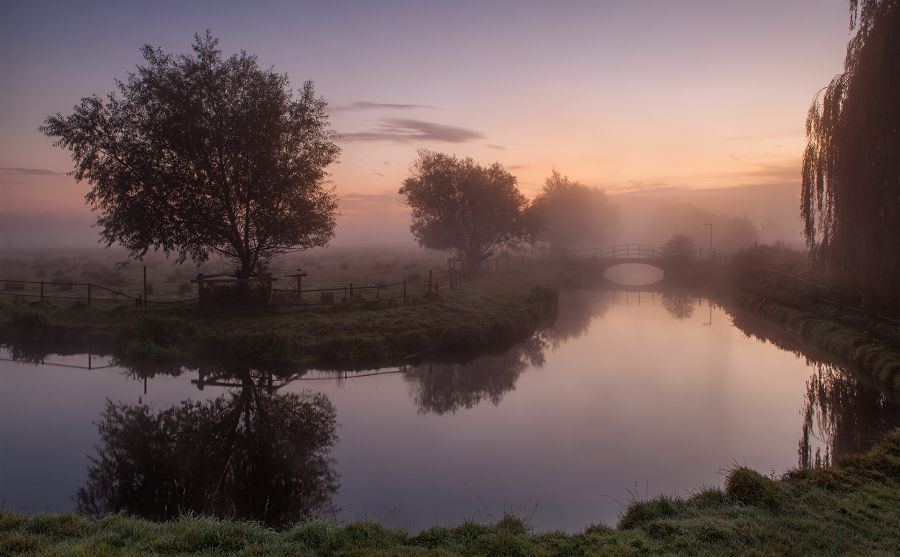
{"type": "Point", "coordinates": [799, 286]}
{"type": "Point", "coordinates": [268, 289]}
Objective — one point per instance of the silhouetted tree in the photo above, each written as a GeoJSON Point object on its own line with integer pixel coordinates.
{"type": "Point", "coordinates": [851, 166]}
{"type": "Point", "coordinates": [198, 154]}
{"type": "Point", "coordinates": [730, 233]}
{"type": "Point", "coordinates": [253, 454]}
{"type": "Point", "coordinates": [680, 249]}
{"type": "Point", "coordinates": [459, 205]}
{"type": "Point", "coordinates": [571, 213]}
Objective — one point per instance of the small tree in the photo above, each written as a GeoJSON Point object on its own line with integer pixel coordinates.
{"type": "Point", "coordinates": [680, 249]}
{"type": "Point", "coordinates": [464, 207]}
{"type": "Point", "coordinates": [198, 154]}
{"type": "Point", "coordinates": [572, 213]}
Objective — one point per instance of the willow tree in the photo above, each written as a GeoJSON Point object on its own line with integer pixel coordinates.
{"type": "Point", "coordinates": [200, 154]}
{"type": "Point", "coordinates": [851, 167]}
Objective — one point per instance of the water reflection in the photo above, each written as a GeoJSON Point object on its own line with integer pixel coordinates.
{"type": "Point", "coordinates": [253, 454]}
{"type": "Point", "coordinates": [446, 388]}
{"type": "Point", "coordinates": [844, 414]}
{"type": "Point", "coordinates": [679, 305]}
{"type": "Point", "coordinates": [617, 386]}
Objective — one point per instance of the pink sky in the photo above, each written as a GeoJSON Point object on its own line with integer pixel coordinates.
{"type": "Point", "coordinates": [628, 96]}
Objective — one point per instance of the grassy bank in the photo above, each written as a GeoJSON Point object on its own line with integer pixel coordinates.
{"type": "Point", "coordinates": [869, 345]}
{"type": "Point", "coordinates": [852, 508]}
{"type": "Point", "coordinates": [489, 312]}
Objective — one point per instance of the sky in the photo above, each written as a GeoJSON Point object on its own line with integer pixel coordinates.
{"type": "Point", "coordinates": [632, 96]}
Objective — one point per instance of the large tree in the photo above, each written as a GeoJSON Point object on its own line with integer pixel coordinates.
{"type": "Point", "coordinates": [851, 167]}
{"type": "Point", "coordinates": [200, 154]}
{"type": "Point", "coordinates": [462, 206]}
{"type": "Point", "coordinates": [573, 213]}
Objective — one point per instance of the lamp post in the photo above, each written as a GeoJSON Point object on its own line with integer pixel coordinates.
{"type": "Point", "coordinates": [709, 224]}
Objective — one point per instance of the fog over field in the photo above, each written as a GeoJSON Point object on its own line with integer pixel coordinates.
{"type": "Point", "coordinates": [383, 219]}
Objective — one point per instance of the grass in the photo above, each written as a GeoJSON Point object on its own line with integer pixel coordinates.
{"type": "Point", "coordinates": [851, 508]}
{"type": "Point", "coordinates": [487, 313]}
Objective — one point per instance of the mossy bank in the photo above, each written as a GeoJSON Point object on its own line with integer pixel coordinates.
{"type": "Point", "coordinates": [852, 508]}
{"type": "Point", "coordinates": [869, 345]}
{"type": "Point", "coordinates": [488, 313]}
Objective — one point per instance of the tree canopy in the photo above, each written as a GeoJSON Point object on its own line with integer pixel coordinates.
{"type": "Point", "coordinates": [460, 205]}
{"type": "Point", "coordinates": [680, 249]}
{"type": "Point", "coordinates": [851, 167]}
{"type": "Point", "coordinates": [572, 213]}
{"type": "Point", "coordinates": [200, 154]}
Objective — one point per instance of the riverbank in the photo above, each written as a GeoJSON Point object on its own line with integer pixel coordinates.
{"type": "Point", "coordinates": [869, 345]}
{"type": "Point", "coordinates": [851, 508]}
{"type": "Point", "coordinates": [488, 313]}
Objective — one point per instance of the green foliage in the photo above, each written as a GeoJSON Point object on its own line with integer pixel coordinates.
{"type": "Point", "coordinates": [460, 205]}
{"type": "Point", "coordinates": [850, 200]}
{"type": "Point", "coordinates": [202, 154]}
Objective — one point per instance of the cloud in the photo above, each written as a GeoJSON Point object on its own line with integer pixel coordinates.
{"type": "Point", "coordinates": [496, 147]}
{"type": "Point", "coordinates": [30, 171]}
{"type": "Point", "coordinates": [368, 105]}
{"type": "Point", "coordinates": [372, 204]}
{"type": "Point", "coordinates": [404, 130]}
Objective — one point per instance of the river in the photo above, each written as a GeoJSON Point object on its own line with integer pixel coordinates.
{"type": "Point", "coordinates": [629, 395]}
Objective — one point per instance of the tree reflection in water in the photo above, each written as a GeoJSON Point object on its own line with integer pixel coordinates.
{"type": "Point", "coordinates": [252, 454]}
{"type": "Point", "coordinates": [446, 388]}
{"type": "Point", "coordinates": [845, 414]}
{"type": "Point", "coordinates": [679, 305]}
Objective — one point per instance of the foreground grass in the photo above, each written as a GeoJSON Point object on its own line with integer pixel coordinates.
{"type": "Point", "coordinates": [489, 312]}
{"type": "Point", "coordinates": [852, 508]}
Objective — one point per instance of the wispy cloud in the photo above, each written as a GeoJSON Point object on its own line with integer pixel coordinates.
{"type": "Point", "coordinates": [29, 171]}
{"type": "Point", "coordinates": [369, 105]}
{"type": "Point", "coordinates": [372, 204]}
{"type": "Point", "coordinates": [495, 147]}
{"type": "Point", "coordinates": [404, 130]}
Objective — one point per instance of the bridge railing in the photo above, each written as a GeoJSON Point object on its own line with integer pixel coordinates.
{"type": "Point", "coordinates": [620, 251]}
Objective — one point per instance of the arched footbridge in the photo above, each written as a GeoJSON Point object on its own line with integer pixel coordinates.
{"type": "Point", "coordinates": [609, 256]}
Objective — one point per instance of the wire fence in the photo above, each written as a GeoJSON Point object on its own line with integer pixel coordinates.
{"type": "Point", "coordinates": [799, 286]}
{"type": "Point", "coordinates": [271, 290]}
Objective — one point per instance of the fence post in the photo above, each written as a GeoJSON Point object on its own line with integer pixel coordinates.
{"type": "Point", "coordinates": [145, 286]}
{"type": "Point", "coordinates": [404, 291]}
{"type": "Point", "coordinates": [430, 271]}
{"type": "Point", "coordinates": [351, 290]}
{"type": "Point", "coordinates": [42, 291]}
{"type": "Point", "coordinates": [89, 294]}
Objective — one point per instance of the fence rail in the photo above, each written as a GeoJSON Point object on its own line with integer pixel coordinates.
{"type": "Point", "coordinates": [621, 251]}
{"type": "Point", "coordinates": [816, 291]}
{"type": "Point", "coordinates": [262, 289]}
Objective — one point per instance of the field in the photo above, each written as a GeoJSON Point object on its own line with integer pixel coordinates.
{"type": "Point", "coordinates": [488, 312]}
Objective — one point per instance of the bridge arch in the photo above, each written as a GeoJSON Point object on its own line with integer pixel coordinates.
{"type": "Point", "coordinates": [619, 254]}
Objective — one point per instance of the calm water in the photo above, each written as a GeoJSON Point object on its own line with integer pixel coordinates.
{"type": "Point", "coordinates": [628, 395]}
